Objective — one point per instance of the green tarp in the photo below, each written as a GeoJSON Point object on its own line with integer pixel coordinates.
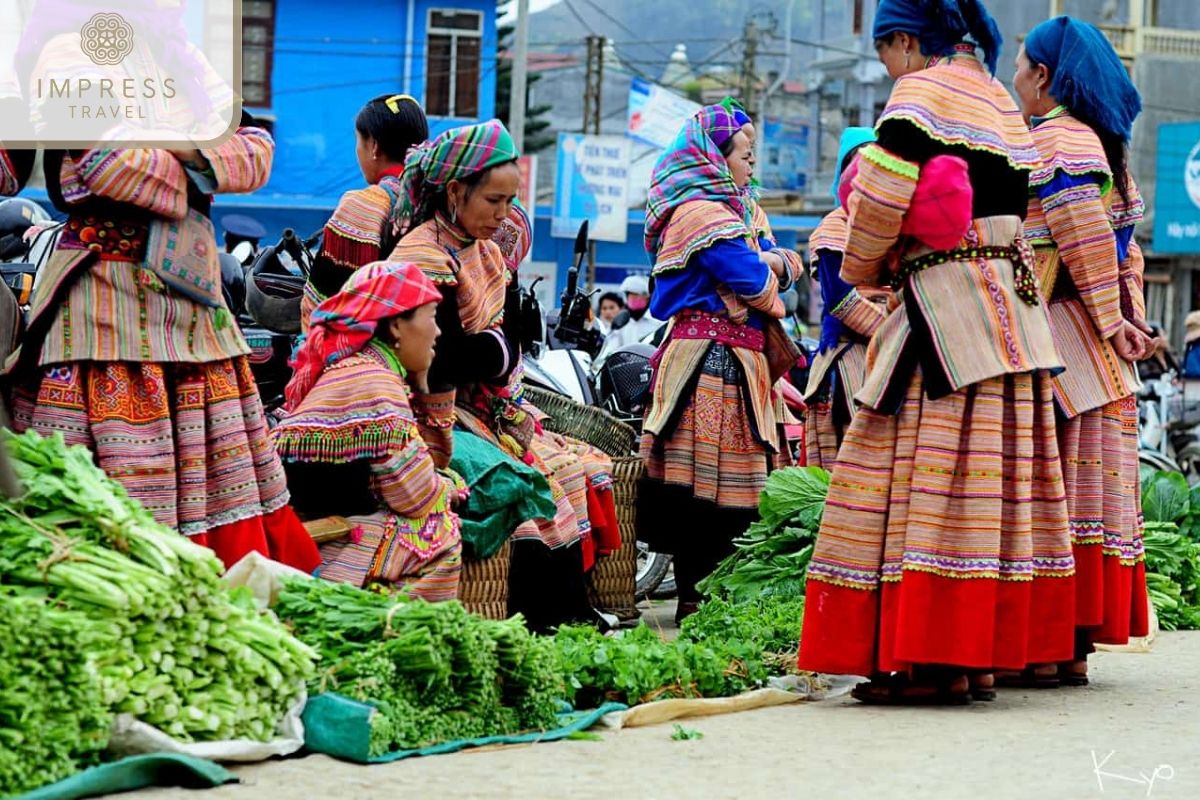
{"type": "Point", "coordinates": [339, 726]}
{"type": "Point", "coordinates": [136, 772]}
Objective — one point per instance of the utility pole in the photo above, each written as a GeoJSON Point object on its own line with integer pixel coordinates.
{"type": "Point", "coordinates": [520, 64]}
{"type": "Point", "coordinates": [749, 63]}
{"type": "Point", "coordinates": [593, 94]}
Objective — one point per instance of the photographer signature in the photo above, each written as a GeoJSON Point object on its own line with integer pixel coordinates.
{"type": "Point", "coordinates": [1163, 772]}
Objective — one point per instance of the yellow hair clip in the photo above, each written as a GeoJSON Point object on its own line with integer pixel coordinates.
{"type": "Point", "coordinates": [393, 102]}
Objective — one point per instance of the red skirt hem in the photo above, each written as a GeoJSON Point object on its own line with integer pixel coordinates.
{"type": "Point", "coordinates": [278, 535]}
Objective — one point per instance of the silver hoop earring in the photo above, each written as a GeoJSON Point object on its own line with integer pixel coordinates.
{"type": "Point", "coordinates": [907, 59]}
{"type": "Point", "coordinates": [1039, 94]}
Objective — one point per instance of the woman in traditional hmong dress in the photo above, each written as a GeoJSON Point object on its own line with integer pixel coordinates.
{"type": "Point", "coordinates": [130, 349]}
{"type": "Point", "coordinates": [367, 223]}
{"type": "Point", "coordinates": [944, 548]}
{"type": "Point", "coordinates": [848, 320]}
{"type": "Point", "coordinates": [1083, 206]}
{"type": "Point", "coordinates": [351, 442]}
{"type": "Point", "coordinates": [710, 434]}
{"type": "Point", "coordinates": [460, 190]}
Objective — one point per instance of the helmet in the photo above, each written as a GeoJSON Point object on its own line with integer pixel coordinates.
{"type": "Point", "coordinates": [273, 293]}
{"type": "Point", "coordinates": [17, 215]}
{"type": "Point", "coordinates": [636, 284]}
{"type": "Point", "coordinates": [625, 380]}
{"type": "Point", "coordinates": [233, 282]}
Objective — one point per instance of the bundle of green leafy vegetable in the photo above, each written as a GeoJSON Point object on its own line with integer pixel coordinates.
{"type": "Point", "coordinates": [53, 716]}
{"type": "Point", "coordinates": [772, 557]}
{"type": "Point", "coordinates": [189, 656]}
{"type": "Point", "coordinates": [1172, 540]}
{"type": "Point", "coordinates": [724, 649]}
{"type": "Point", "coordinates": [435, 671]}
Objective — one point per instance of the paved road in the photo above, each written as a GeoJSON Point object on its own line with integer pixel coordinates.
{"type": "Point", "coordinates": [1027, 744]}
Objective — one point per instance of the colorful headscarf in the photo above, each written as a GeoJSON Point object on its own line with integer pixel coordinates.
{"type": "Point", "coordinates": [692, 168]}
{"type": "Point", "coordinates": [939, 25]}
{"type": "Point", "coordinates": [346, 322]}
{"type": "Point", "coordinates": [454, 155]}
{"type": "Point", "coordinates": [851, 138]}
{"type": "Point", "coordinates": [738, 111]}
{"type": "Point", "coordinates": [1086, 74]}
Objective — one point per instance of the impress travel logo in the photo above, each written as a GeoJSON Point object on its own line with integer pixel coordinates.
{"type": "Point", "coordinates": [161, 73]}
{"type": "Point", "coordinates": [106, 39]}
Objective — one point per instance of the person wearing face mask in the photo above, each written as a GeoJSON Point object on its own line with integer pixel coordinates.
{"type": "Point", "coordinates": [710, 432]}
{"type": "Point", "coordinates": [367, 223]}
{"type": "Point", "coordinates": [354, 423]}
{"type": "Point", "coordinates": [635, 322]}
{"type": "Point", "coordinates": [459, 192]}
{"type": "Point", "coordinates": [1083, 206]}
{"type": "Point", "coordinates": [944, 553]}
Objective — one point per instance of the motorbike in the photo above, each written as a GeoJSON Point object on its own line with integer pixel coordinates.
{"type": "Point", "coordinates": [1168, 419]}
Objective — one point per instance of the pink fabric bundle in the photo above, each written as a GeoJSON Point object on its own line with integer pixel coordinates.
{"type": "Point", "coordinates": [940, 212]}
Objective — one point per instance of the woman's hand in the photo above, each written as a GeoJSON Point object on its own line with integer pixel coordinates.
{"type": "Point", "coordinates": [1158, 342]}
{"type": "Point", "coordinates": [1131, 344]}
{"type": "Point", "coordinates": [192, 158]}
{"type": "Point", "coordinates": [419, 381]}
{"type": "Point", "coordinates": [775, 262]}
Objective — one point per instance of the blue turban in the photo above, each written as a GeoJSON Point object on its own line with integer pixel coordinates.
{"type": "Point", "coordinates": [851, 138]}
{"type": "Point", "coordinates": [939, 25]}
{"type": "Point", "coordinates": [1086, 74]}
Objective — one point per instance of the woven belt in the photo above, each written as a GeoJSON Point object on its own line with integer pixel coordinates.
{"type": "Point", "coordinates": [702, 325]}
{"type": "Point", "coordinates": [1019, 253]}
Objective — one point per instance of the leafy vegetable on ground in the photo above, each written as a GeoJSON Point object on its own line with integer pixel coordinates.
{"type": "Point", "coordinates": [435, 672]}
{"type": "Point", "coordinates": [53, 715]}
{"type": "Point", "coordinates": [771, 558]}
{"type": "Point", "coordinates": [723, 650]}
{"type": "Point", "coordinates": [1172, 541]}
{"type": "Point", "coordinates": [181, 651]}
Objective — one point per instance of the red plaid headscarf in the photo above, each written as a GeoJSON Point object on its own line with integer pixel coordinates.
{"type": "Point", "coordinates": [346, 322]}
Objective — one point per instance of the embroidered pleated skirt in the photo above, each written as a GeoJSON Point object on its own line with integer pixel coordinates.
{"type": "Point", "coordinates": [188, 441]}
{"type": "Point", "coordinates": [1100, 469]}
{"type": "Point", "coordinates": [943, 538]}
{"type": "Point", "coordinates": [831, 403]}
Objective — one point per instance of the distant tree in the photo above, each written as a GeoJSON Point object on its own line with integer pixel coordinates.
{"type": "Point", "coordinates": [536, 136]}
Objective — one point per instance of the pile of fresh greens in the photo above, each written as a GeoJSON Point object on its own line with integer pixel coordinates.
{"type": "Point", "coordinates": [1172, 539]}
{"type": "Point", "coordinates": [771, 558]}
{"type": "Point", "coordinates": [724, 649]}
{"type": "Point", "coordinates": [53, 715]}
{"type": "Point", "coordinates": [181, 652]}
{"type": "Point", "coordinates": [435, 672]}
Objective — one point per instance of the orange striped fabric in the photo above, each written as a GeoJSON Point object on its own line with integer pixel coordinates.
{"type": "Point", "coordinates": [475, 267]}
{"type": "Point", "coordinates": [830, 234]}
{"type": "Point", "coordinates": [117, 311]}
{"type": "Point", "coordinates": [1071, 225]}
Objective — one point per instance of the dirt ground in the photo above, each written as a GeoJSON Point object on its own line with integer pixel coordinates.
{"type": "Point", "coordinates": [1135, 732]}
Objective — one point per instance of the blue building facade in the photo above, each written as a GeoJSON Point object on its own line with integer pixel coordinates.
{"type": "Point", "coordinates": [322, 62]}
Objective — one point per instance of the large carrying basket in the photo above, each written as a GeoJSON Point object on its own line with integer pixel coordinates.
{"type": "Point", "coordinates": [483, 585]}
{"type": "Point", "coordinates": [614, 578]}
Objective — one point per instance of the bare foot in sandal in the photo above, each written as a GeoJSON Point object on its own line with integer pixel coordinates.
{"type": "Point", "coordinates": [901, 690]}
{"type": "Point", "coordinates": [1073, 673]}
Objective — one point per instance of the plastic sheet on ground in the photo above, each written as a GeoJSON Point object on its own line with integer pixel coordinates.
{"type": "Point", "coordinates": [262, 576]}
{"type": "Point", "coordinates": [780, 691]}
{"type": "Point", "coordinates": [137, 772]}
{"type": "Point", "coordinates": [131, 737]}
{"type": "Point", "coordinates": [340, 726]}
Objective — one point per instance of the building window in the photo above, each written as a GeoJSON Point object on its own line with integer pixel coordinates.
{"type": "Point", "coordinates": [454, 46]}
{"type": "Point", "coordinates": [258, 51]}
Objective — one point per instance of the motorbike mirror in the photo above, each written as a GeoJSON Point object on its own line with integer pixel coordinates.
{"type": "Point", "coordinates": [581, 239]}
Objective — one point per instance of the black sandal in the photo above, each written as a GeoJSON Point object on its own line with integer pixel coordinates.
{"type": "Point", "coordinates": [1028, 678]}
{"type": "Point", "coordinates": [984, 694]}
{"type": "Point", "coordinates": [897, 690]}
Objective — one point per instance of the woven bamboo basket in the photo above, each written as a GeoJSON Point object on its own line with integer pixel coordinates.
{"type": "Point", "coordinates": [483, 586]}
{"type": "Point", "coordinates": [614, 580]}
{"type": "Point", "coordinates": [587, 423]}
